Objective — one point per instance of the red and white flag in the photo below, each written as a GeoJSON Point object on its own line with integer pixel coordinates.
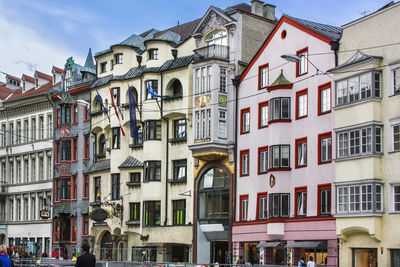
{"type": "Point", "coordinates": [116, 111]}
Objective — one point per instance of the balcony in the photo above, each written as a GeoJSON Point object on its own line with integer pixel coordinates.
{"type": "Point", "coordinates": [211, 52]}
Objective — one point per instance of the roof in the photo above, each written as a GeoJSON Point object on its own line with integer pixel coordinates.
{"type": "Point", "coordinates": [131, 162]}
{"type": "Point", "coordinates": [57, 70]}
{"type": "Point", "coordinates": [100, 165]}
{"type": "Point", "coordinates": [332, 32]}
{"type": "Point", "coordinates": [5, 92]}
{"type": "Point", "coordinates": [139, 71]}
{"type": "Point", "coordinates": [43, 76]}
{"type": "Point", "coordinates": [28, 78]}
{"type": "Point", "coordinates": [67, 99]}
{"type": "Point", "coordinates": [13, 78]}
{"type": "Point", "coordinates": [89, 64]}
{"type": "Point", "coordinates": [356, 58]}
{"type": "Point", "coordinates": [184, 30]}
{"type": "Point", "coordinates": [44, 88]}
{"type": "Point", "coordinates": [281, 82]}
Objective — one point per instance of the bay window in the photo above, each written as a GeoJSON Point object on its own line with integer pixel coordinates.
{"type": "Point", "coordinates": [279, 109]}
{"type": "Point", "coordinates": [152, 171]}
{"type": "Point", "coordinates": [203, 124]}
{"type": "Point", "coordinates": [153, 130]}
{"type": "Point", "coordinates": [279, 156]}
{"type": "Point", "coordinates": [279, 205]}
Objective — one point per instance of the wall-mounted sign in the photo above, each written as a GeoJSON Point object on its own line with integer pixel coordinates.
{"type": "Point", "coordinates": [271, 181]}
{"type": "Point", "coordinates": [99, 215]}
{"type": "Point", "coordinates": [202, 101]}
{"type": "Point", "coordinates": [65, 132]}
{"type": "Point", "coordinates": [44, 214]}
{"type": "Point", "coordinates": [222, 100]}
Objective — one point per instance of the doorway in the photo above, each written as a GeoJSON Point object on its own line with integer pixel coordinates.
{"type": "Point", "coordinates": [106, 247]}
{"type": "Point", "coordinates": [219, 252]}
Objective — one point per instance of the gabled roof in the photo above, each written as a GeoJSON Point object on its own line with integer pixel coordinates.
{"type": "Point", "coordinates": [5, 92]}
{"type": "Point", "coordinates": [89, 64]}
{"type": "Point", "coordinates": [100, 165]}
{"type": "Point", "coordinates": [43, 75]}
{"type": "Point", "coordinates": [57, 70]}
{"type": "Point", "coordinates": [18, 94]}
{"type": "Point", "coordinates": [28, 78]}
{"type": "Point", "coordinates": [358, 57]}
{"type": "Point", "coordinates": [131, 162]}
{"type": "Point", "coordinates": [67, 99]}
{"type": "Point", "coordinates": [280, 83]}
{"type": "Point", "coordinates": [8, 76]}
{"type": "Point", "coordinates": [203, 20]}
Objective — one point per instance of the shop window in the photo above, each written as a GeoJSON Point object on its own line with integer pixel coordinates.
{"type": "Point", "coordinates": [365, 257]}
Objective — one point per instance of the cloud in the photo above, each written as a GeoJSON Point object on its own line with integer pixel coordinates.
{"type": "Point", "coordinates": [32, 67]}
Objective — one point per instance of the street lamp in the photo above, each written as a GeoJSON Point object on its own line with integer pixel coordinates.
{"type": "Point", "coordinates": [295, 58]}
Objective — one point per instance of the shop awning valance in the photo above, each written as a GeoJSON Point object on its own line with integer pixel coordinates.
{"type": "Point", "coordinates": [270, 244]}
{"type": "Point", "coordinates": [303, 244]}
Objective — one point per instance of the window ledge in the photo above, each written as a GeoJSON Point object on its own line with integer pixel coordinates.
{"type": "Point", "coordinates": [100, 156]}
{"type": "Point", "coordinates": [177, 181]}
{"type": "Point", "coordinates": [393, 151]}
{"type": "Point", "coordinates": [394, 94]}
{"type": "Point", "coordinates": [358, 214]}
{"type": "Point", "coordinates": [377, 99]}
{"type": "Point", "coordinates": [279, 169]}
{"type": "Point", "coordinates": [95, 113]}
{"type": "Point", "coordinates": [133, 222]}
{"type": "Point", "coordinates": [394, 212]}
{"type": "Point", "coordinates": [279, 121]}
{"type": "Point", "coordinates": [171, 98]}
{"type": "Point", "coordinates": [132, 184]}
{"type": "Point", "coordinates": [95, 203]}
{"type": "Point", "coordinates": [135, 146]}
{"type": "Point", "coordinates": [177, 140]}
{"type": "Point", "coordinates": [358, 157]}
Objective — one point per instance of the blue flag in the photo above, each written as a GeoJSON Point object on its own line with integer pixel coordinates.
{"type": "Point", "coordinates": [100, 100]}
{"type": "Point", "coordinates": [151, 91]}
{"type": "Point", "coordinates": [132, 114]}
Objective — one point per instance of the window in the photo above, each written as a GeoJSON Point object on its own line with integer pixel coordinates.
{"type": "Point", "coordinates": [302, 65]}
{"type": "Point", "coordinates": [152, 213]}
{"type": "Point", "coordinates": [152, 171]}
{"type": "Point", "coordinates": [360, 141]}
{"type": "Point", "coordinates": [197, 81]}
{"type": "Point", "coordinates": [49, 168]}
{"type": "Point", "coordinates": [279, 109]}
{"type": "Point", "coordinates": [115, 186]}
{"type": "Point", "coordinates": [325, 148]}
{"type": "Point", "coordinates": [263, 72]}
{"type": "Point", "coordinates": [301, 104]}
{"type": "Point", "coordinates": [301, 201]}
{"type": "Point", "coordinates": [3, 135]}
{"type": "Point", "coordinates": [222, 124]}
{"type": "Point", "coordinates": [102, 145]}
{"type": "Point", "coordinates": [179, 170]}
{"type": "Point", "coordinates": [245, 121]}
{"type": "Point", "coordinates": [396, 81]}
{"type": "Point", "coordinates": [279, 205]}
{"type": "Point", "coordinates": [86, 150]}
{"type": "Point", "coordinates": [118, 58]}
{"type": "Point", "coordinates": [262, 114]}
{"type": "Point", "coordinates": [203, 124]}
{"type": "Point", "coordinates": [203, 80]}
{"type": "Point", "coordinates": [19, 132]}
{"type": "Point", "coordinates": [139, 141]}
{"type": "Point", "coordinates": [85, 186]}
{"type": "Point", "coordinates": [49, 126]}
{"type": "Point", "coordinates": [134, 211]}
{"type": "Point", "coordinates": [359, 198]}
{"type": "Point", "coordinates": [222, 79]}
{"type": "Point", "coordinates": [74, 192]}
{"type": "Point", "coordinates": [116, 96]}
{"type": "Point", "coordinates": [65, 188]}
{"type": "Point", "coordinates": [58, 118]}
{"type": "Point", "coordinates": [153, 130]}
{"type": "Point", "coordinates": [33, 129]}
{"type": "Point", "coordinates": [301, 152]}
{"type": "Point", "coordinates": [244, 201]}
{"type": "Point", "coordinates": [262, 211]}
{"type": "Point", "coordinates": [134, 177]}
{"type": "Point", "coordinates": [217, 38]}
{"type": "Point", "coordinates": [244, 162]}
{"type": "Point", "coordinates": [279, 156]}
{"type": "Point", "coordinates": [75, 148]}
{"type": "Point", "coordinates": [396, 137]}
{"type": "Point", "coordinates": [75, 112]}
{"type": "Point", "coordinates": [103, 67]}
{"type": "Point", "coordinates": [66, 150]}
{"type": "Point", "coordinates": [324, 99]}
{"type": "Point", "coordinates": [179, 209]}
{"type": "Point", "coordinates": [153, 54]}
{"type": "Point", "coordinates": [180, 129]}
{"type": "Point", "coordinates": [154, 85]}
{"type": "Point", "coordinates": [396, 198]}
{"type": "Point", "coordinates": [324, 199]}
{"type": "Point", "coordinates": [66, 114]}
{"type": "Point", "coordinates": [97, 189]}
{"type": "Point", "coordinates": [262, 159]}
{"type": "Point", "coordinates": [85, 224]}
{"type": "Point", "coordinates": [115, 138]}
{"type": "Point", "coordinates": [355, 88]}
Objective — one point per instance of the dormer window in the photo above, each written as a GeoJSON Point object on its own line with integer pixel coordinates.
{"type": "Point", "coordinates": [118, 58]}
{"type": "Point", "coordinates": [153, 54]}
{"type": "Point", "coordinates": [23, 85]}
{"type": "Point", "coordinates": [36, 83]}
{"type": "Point", "coordinates": [103, 67]}
{"type": "Point", "coordinates": [54, 78]}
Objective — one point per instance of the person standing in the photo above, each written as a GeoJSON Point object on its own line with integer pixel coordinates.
{"type": "Point", "coordinates": [310, 262]}
{"type": "Point", "coordinates": [87, 259]}
{"type": "Point", "coordinates": [301, 262]}
{"type": "Point", "coordinates": [4, 260]}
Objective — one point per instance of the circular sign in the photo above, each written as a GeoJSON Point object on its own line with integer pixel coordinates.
{"type": "Point", "coordinates": [99, 215]}
{"type": "Point", "coordinates": [44, 214]}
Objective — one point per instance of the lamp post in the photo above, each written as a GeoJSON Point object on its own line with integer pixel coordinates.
{"type": "Point", "coordinates": [295, 58]}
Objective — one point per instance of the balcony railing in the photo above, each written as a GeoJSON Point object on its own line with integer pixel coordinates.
{"type": "Point", "coordinates": [212, 52]}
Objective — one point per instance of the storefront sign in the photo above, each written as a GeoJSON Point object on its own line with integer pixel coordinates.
{"type": "Point", "coordinates": [202, 101]}
{"type": "Point", "coordinates": [99, 215]}
{"type": "Point", "coordinates": [44, 214]}
{"type": "Point", "coordinates": [222, 100]}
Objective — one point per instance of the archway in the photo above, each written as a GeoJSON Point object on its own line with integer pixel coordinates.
{"type": "Point", "coordinates": [106, 246]}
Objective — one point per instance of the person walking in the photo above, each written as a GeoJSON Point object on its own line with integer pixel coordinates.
{"type": "Point", "coordinates": [4, 260]}
{"type": "Point", "coordinates": [310, 262]}
{"type": "Point", "coordinates": [87, 259]}
{"type": "Point", "coordinates": [301, 262]}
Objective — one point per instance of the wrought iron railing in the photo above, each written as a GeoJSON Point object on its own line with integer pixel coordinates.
{"type": "Point", "coordinates": [212, 52]}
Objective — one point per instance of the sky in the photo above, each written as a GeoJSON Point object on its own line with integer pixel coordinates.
{"type": "Point", "coordinates": [36, 35]}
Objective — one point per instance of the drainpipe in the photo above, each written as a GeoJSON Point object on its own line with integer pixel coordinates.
{"type": "Point", "coordinates": [235, 82]}
{"type": "Point", "coordinates": [335, 48]}
{"type": "Point", "coordinates": [166, 153]}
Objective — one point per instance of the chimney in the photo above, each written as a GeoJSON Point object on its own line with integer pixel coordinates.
{"type": "Point", "coordinates": [257, 7]}
{"type": "Point", "coordinates": [269, 11]}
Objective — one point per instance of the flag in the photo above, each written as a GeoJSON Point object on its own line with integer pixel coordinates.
{"type": "Point", "coordinates": [116, 112]}
{"type": "Point", "coordinates": [100, 100]}
{"type": "Point", "coordinates": [151, 91]}
{"type": "Point", "coordinates": [132, 114]}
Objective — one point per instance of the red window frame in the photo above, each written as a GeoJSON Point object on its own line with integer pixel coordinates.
{"type": "Point", "coordinates": [320, 89]}
{"type": "Point", "coordinates": [73, 191]}
{"type": "Point", "coordinates": [73, 233]}
{"type": "Point", "coordinates": [74, 155]}
{"type": "Point", "coordinates": [242, 112]}
{"type": "Point", "coordinates": [298, 190]}
{"type": "Point", "coordinates": [296, 152]}
{"type": "Point", "coordinates": [261, 149]}
{"type": "Point", "coordinates": [86, 146]}
{"type": "Point", "coordinates": [244, 152]}
{"type": "Point", "coordinates": [56, 199]}
{"type": "Point", "coordinates": [241, 198]}
{"type": "Point", "coordinates": [320, 188]}
{"type": "Point", "coordinates": [259, 75]}
{"type": "Point", "coordinates": [86, 112]}
{"type": "Point", "coordinates": [84, 195]}
{"type": "Point", "coordinates": [320, 137]}
{"type": "Point", "coordinates": [298, 63]}
{"type": "Point", "coordinates": [57, 152]}
{"type": "Point", "coordinates": [260, 106]}
{"type": "Point", "coordinates": [298, 94]}
{"type": "Point", "coordinates": [260, 195]}
{"type": "Point", "coordinates": [84, 216]}
{"type": "Point", "coordinates": [58, 118]}
{"type": "Point", "coordinates": [73, 114]}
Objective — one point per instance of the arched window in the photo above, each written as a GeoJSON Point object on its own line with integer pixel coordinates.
{"type": "Point", "coordinates": [175, 89]}
{"type": "Point", "coordinates": [213, 196]}
{"type": "Point", "coordinates": [217, 38]}
{"type": "Point", "coordinates": [102, 144]}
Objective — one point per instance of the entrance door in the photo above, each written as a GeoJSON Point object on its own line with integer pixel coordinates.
{"type": "Point", "coordinates": [219, 251]}
{"type": "Point", "coordinates": [106, 246]}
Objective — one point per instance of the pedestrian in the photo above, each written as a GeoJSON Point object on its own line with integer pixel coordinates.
{"type": "Point", "coordinates": [44, 254]}
{"type": "Point", "coordinates": [240, 260]}
{"type": "Point", "coordinates": [87, 259]}
{"type": "Point", "coordinates": [73, 257]}
{"type": "Point", "coordinates": [310, 262]}
{"type": "Point", "coordinates": [301, 262]}
{"type": "Point", "coordinates": [4, 260]}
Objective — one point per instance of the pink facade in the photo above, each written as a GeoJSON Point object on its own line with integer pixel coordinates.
{"type": "Point", "coordinates": [284, 194]}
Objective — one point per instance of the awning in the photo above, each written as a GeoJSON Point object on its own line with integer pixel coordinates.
{"type": "Point", "coordinates": [271, 244]}
{"type": "Point", "coordinates": [303, 244]}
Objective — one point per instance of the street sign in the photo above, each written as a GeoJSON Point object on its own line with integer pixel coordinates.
{"type": "Point", "coordinates": [44, 214]}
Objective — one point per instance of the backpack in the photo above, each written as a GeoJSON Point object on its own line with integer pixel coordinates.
{"type": "Point", "coordinates": [303, 263]}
